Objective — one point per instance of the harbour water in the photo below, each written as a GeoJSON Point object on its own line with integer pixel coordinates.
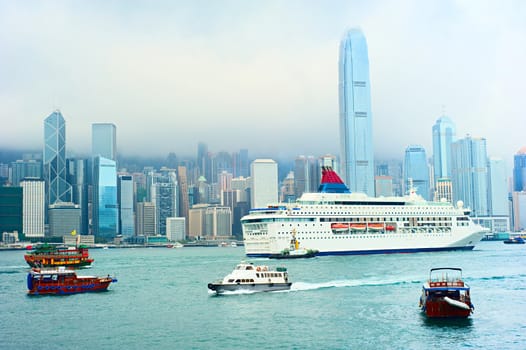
{"type": "Point", "coordinates": [161, 301]}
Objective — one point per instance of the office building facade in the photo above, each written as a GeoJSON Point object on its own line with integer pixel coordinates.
{"type": "Point", "coordinates": [34, 207]}
{"type": "Point", "coordinates": [356, 134]}
{"type": "Point", "coordinates": [416, 170]}
{"type": "Point", "coordinates": [264, 187]}
{"type": "Point", "coordinates": [54, 159]}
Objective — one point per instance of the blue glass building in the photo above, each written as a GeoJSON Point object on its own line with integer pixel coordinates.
{"type": "Point", "coordinates": [444, 135]}
{"type": "Point", "coordinates": [416, 170]}
{"type": "Point", "coordinates": [469, 172]}
{"type": "Point", "coordinates": [519, 171]}
{"type": "Point", "coordinates": [356, 135]}
{"type": "Point", "coordinates": [54, 160]}
{"type": "Point", "coordinates": [105, 209]}
{"type": "Point", "coordinates": [104, 140]}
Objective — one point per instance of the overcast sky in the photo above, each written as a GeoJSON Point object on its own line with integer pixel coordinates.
{"type": "Point", "coordinates": [261, 75]}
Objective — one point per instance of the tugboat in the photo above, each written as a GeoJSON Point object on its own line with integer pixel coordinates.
{"type": "Point", "coordinates": [248, 277]}
{"type": "Point", "coordinates": [62, 281]}
{"type": "Point", "coordinates": [294, 251]}
{"type": "Point", "coordinates": [514, 240]}
{"type": "Point", "coordinates": [47, 255]}
{"type": "Point", "coordinates": [445, 294]}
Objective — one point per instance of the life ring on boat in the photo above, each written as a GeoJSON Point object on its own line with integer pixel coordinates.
{"type": "Point", "coordinates": [258, 268]}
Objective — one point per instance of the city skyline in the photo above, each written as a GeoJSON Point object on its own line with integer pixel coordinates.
{"type": "Point", "coordinates": [179, 73]}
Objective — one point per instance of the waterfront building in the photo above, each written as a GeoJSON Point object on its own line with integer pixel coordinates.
{"type": "Point", "coordinates": [519, 211]}
{"type": "Point", "coordinates": [34, 207]}
{"type": "Point", "coordinates": [145, 215]}
{"type": "Point", "coordinates": [519, 170]}
{"type": "Point", "coordinates": [444, 134]}
{"type": "Point", "coordinates": [218, 222]}
{"type": "Point", "coordinates": [105, 214]}
{"type": "Point", "coordinates": [54, 160]}
{"type": "Point", "coordinates": [11, 209]}
{"type": "Point", "coordinates": [264, 187]}
{"type": "Point", "coordinates": [383, 186]}
{"type": "Point", "coordinates": [416, 171]}
{"type": "Point", "coordinates": [165, 196]}
{"type": "Point", "coordinates": [498, 187]}
{"type": "Point", "coordinates": [77, 176]}
{"type": "Point", "coordinates": [64, 218]}
{"type": "Point", "coordinates": [104, 140]}
{"type": "Point", "coordinates": [126, 199]}
{"type": "Point", "coordinates": [356, 134]}
{"type": "Point", "coordinates": [196, 218]}
{"type": "Point", "coordinates": [469, 171]}
{"type": "Point", "coordinates": [175, 229]}
{"type": "Point", "coordinates": [184, 199]}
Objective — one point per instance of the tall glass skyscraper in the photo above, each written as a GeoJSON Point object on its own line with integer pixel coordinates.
{"type": "Point", "coordinates": [57, 188]}
{"type": "Point", "coordinates": [105, 208]}
{"type": "Point", "coordinates": [104, 140]}
{"type": "Point", "coordinates": [416, 170]}
{"type": "Point", "coordinates": [519, 171]}
{"type": "Point", "coordinates": [469, 171]}
{"type": "Point", "coordinates": [444, 135]}
{"type": "Point", "coordinates": [356, 134]}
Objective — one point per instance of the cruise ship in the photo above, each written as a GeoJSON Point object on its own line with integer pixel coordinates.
{"type": "Point", "coordinates": [335, 221]}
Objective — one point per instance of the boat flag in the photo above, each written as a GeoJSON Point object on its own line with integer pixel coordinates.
{"type": "Point", "coordinates": [74, 232]}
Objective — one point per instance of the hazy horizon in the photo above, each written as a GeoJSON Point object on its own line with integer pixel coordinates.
{"type": "Point", "coordinates": [259, 75]}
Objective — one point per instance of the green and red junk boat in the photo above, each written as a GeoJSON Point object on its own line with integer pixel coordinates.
{"type": "Point", "coordinates": [445, 294]}
{"type": "Point", "coordinates": [64, 281]}
{"type": "Point", "coordinates": [47, 255]}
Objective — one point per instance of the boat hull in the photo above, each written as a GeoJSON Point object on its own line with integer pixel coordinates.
{"type": "Point", "coordinates": [292, 256]}
{"type": "Point", "coordinates": [441, 308]}
{"type": "Point", "coordinates": [220, 288]}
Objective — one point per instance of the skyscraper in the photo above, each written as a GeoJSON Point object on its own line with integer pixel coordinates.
{"type": "Point", "coordinates": [469, 171]}
{"type": "Point", "coordinates": [33, 199]}
{"type": "Point", "coordinates": [519, 170]}
{"type": "Point", "coordinates": [165, 196]}
{"type": "Point", "coordinates": [416, 170]}
{"type": "Point", "coordinates": [57, 188]}
{"type": "Point", "coordinates": [104, 140]}
{"type": "Point", "coordinates": [356, 134]}
{"type": "Point", "coordinates": [264, 174]}
{"type": "Point", "coordinates": [444, 135]}
{"type": "Point", "coordinates": [126, 200]}
{"type": "Point", "coordinates": [105, 212]}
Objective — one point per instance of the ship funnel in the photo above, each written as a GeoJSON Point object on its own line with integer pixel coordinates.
{"type": "Point", "coordinates": [331, 182]}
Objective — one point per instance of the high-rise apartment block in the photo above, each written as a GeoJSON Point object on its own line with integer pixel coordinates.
{"type": "Point", "coordinates": [356, 134]}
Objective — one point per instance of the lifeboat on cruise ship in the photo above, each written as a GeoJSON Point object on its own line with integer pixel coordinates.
{"type": "Point", "coordinates": [339, 227]}
{"type": "Point", "coordinates": [358, 227]}
{"type": "Point", "coordinates": [375, 227]}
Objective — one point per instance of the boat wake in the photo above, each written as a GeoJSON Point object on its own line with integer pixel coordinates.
{"type": "Point", "coordinates": [303, 286]}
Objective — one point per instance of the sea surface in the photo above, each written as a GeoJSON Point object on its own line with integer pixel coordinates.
{"type": "Point", "coordinates": [161, 301]}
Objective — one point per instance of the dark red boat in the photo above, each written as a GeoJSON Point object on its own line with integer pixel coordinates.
{"type": "Point", "coordinates": [445, 294]}
{"type": "Point", "coordinates": [47, 255]}
{"type": "Point", "coordinates": [63, 281]}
